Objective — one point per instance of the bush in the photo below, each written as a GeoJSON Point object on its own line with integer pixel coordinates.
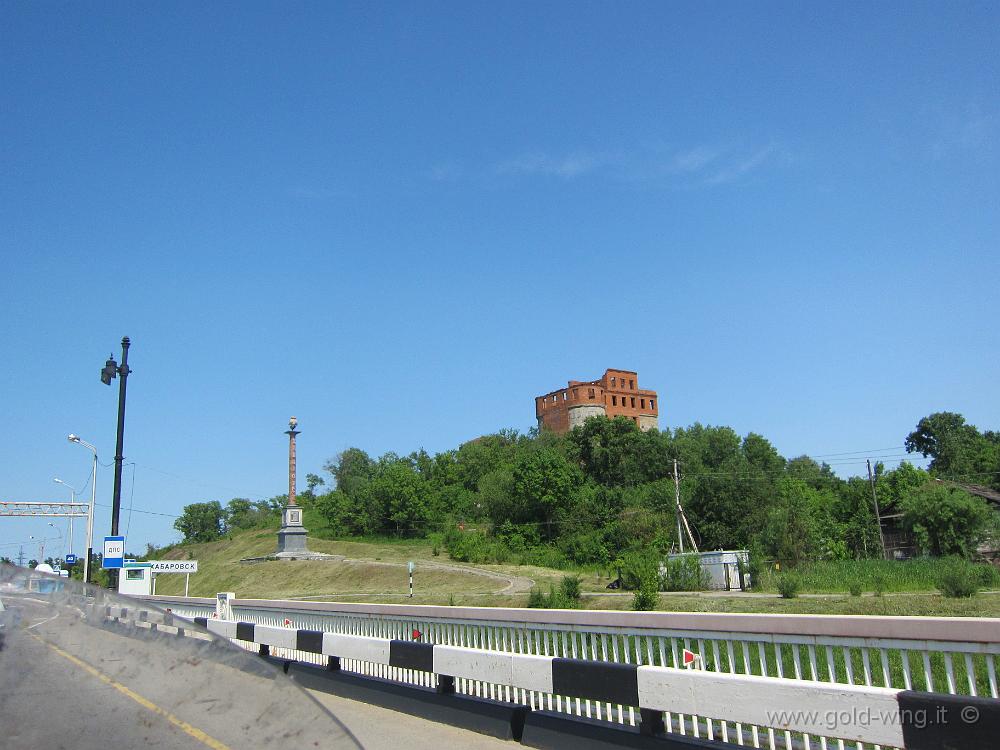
{"type": "Point", "coordinates": [789, 585]}
{"type": "Point", "coordinates": [638, 566]}
{"type": "Point", "coordinates": [855, 588]}
{"type": "Point", "coordinates": [959, 580]}
{"type": "Point", "coordinates": [537, 600]}
{"type": "Point", "coordinates": [567, 596]}
{"type": "Point", "coordinates": [585, 548]}
{"type": "Point", "coordinates": [543, 557]}
{"type": "Point", "coordinates": [570, 587]}
{"type": "Point", "coordinates": [752, 569]}
{"type": "Point", "coordinates": [878, 585]}
{"type": "Point", "coordinates": [683, 574]}
{"type": "Point", "coordinates": [647, 597]}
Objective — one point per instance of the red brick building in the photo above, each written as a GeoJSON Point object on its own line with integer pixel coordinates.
{"type": "Point", "coordinates": [616, 394]}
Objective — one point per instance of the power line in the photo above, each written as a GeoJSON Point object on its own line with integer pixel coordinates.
{"type": "Point", "coordinates": [852, 453]}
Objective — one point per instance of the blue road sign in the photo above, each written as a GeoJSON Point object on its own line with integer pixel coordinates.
{"type": "Point", "coordinates": [71, 559]}
{"type": "Point", "coordinates": [114, 552]}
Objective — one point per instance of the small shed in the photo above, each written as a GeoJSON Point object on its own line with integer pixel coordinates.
{"type": "Point", "coordinates": [727, 570]}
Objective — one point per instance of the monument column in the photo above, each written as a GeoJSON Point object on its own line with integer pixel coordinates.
{"type": "Point", "coordinates": [291, 432]}
{"type": "Point", "coordinates": [292, 534]}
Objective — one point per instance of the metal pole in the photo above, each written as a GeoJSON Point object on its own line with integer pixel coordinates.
{"type": "Point", "coordinates": [70, 542]}
{"type": "Point", "coordinates": [116, 501]}
{"type": "Point", "coordinates": [878, 515]}
{"type": "Point", "coordinates": [187, 582]}
{"type": "Point", "coordinates": [90, 522]}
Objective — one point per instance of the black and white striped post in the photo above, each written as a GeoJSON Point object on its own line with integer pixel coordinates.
{"type": "Point", "coordinates": [409, 567]}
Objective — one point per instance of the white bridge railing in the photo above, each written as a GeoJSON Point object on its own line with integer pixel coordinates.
{"type": "Point", "coordinates": [958, 656]}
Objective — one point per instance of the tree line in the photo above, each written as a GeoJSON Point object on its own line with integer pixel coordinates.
{"type": "Point", "coordinates": [606, 489]}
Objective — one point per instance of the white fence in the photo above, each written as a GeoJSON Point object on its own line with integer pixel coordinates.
{"type": "Point", "coordinates": [946, 655]}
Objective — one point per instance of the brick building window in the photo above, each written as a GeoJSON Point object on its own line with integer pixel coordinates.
{"type": "Point", "coordinates": [590, 393]}
{"type": "Point", "coordinates": [612, 382]}
{"type": "Point", "coordinates": [642, 403]}
{"type": "Point", "coordinates": [576, 395]}
{"type": "Point", "coordinates": [631, 385]}
{"type": "Point", "coordinates": [614, 401]}
{"type": "Point", "coordinates": [652, 404]}
{"type": "Point", "coordinates": [633, 402]}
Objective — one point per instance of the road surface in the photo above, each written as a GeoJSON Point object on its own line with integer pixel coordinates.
{"type": "Point", "coordinates": [67, 684]}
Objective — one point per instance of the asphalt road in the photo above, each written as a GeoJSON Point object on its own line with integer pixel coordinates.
{"type": "Point", "coordinates": [67, 684]}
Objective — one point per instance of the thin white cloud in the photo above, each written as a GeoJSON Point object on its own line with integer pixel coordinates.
{"type": "Point", "coordinates": [566, 167]}
{"type": "Point", "coordinates": [743, 167]}
{"type": "Point", "coordinates": [976, 132]}
{"type": "Point", "coordinates": [694, 159]}
{"type": "Point", "coordinates": [317, 194]}
{"type": "Point", "coordinates": [446, 172]}
{"type": "Point", "coordinates": [701, 164]}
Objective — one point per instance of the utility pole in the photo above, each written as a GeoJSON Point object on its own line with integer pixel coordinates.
{"type": "Point", "coordinates": [20, 556]}
{"type": "Point", "coordinates": [677, 507]}
{"type": "Point", "coordinates": [878, 515]}
{"type": "Point", "coordinates": [110, 371]}
{"type": "Point", "coordinates": [681, 518]}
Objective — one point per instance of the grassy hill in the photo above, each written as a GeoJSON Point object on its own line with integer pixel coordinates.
{"type": "Point", "coordinates": [376, 571]}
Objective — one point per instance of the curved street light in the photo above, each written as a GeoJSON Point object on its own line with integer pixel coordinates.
{"type": "Point", "coordinates": [90, 511]}
{"type": "Point", "coordinates": [59, 533]}
{"type": "Point", "coordinates": [41, 548]}
{"type": "Point", "coordinates": [72, 496]}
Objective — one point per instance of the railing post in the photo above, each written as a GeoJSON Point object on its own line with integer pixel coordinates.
{"type": "Point", "coordinates": [446, 685]}
{"type": "Point", "coordinates": [651, 722]}
{"type": "Point", "coordinates": [333, 664]}
{"type": "Point", "coordinates": [264, 650]}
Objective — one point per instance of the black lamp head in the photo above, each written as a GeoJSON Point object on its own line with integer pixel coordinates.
{"type": "Point", "coordinates": [109, 372]}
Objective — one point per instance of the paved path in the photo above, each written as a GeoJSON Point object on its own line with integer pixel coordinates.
{"type": "Point", "coordinates": [512, 584]}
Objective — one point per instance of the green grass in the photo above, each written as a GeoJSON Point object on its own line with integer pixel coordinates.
{"type": "Point", "coordinates": [840, 576]}
{"type": "Point", "coordinates": [376, 572]}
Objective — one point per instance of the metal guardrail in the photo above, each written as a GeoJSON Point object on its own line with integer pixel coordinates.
{"type": "Point", "coordinates": [957, 656]}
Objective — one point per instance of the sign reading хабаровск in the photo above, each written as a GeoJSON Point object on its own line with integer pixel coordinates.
{"type": "Point", "coordinates": [174, 566]}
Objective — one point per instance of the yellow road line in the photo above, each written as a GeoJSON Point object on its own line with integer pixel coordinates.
{"type": "Point", "coordinates": [193, 731]}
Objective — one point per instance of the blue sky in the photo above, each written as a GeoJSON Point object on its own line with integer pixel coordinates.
{"type": "Point", "coordinates": [402, 222]}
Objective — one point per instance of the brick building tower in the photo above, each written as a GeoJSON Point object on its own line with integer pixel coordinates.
{"type": "Point", "coordinates": [617, 394]}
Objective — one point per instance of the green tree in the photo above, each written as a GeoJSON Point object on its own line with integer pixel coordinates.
{"type": "Point", "coordinates": [543, 482]}
{"type": "Point", "coordinates": [608, 450]}
{"type": "Point", "coordinates": [816, 475]}
{"type": "Point", "coordinates": [403, 493]}
{"type": "Point", "coordinates": [201, 522]}
{"type": "Point", "coordinates": [351, 469]}
{"type": "Point", "coordinates": [958, 451]}
{"type": "Point", "coordinates": [946, 520]}
{"type": "Point", "coordinates": [241, 513]}
{"type": "Point", "coordinates": [334, 506]}
{"type": "Point", "coordinates": [789, 534]}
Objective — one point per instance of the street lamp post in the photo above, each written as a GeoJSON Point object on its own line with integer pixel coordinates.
{"type": "Point", "coordinates": [41, 548]}
{"type": "Point", "coordinates": [72, 497]}
{"type": "Point", "coordinates": [90, 510]}
{"type": "Point", "coordinates": [111, 370]}
{"type": "Point", "coordinates": [58, 532]}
